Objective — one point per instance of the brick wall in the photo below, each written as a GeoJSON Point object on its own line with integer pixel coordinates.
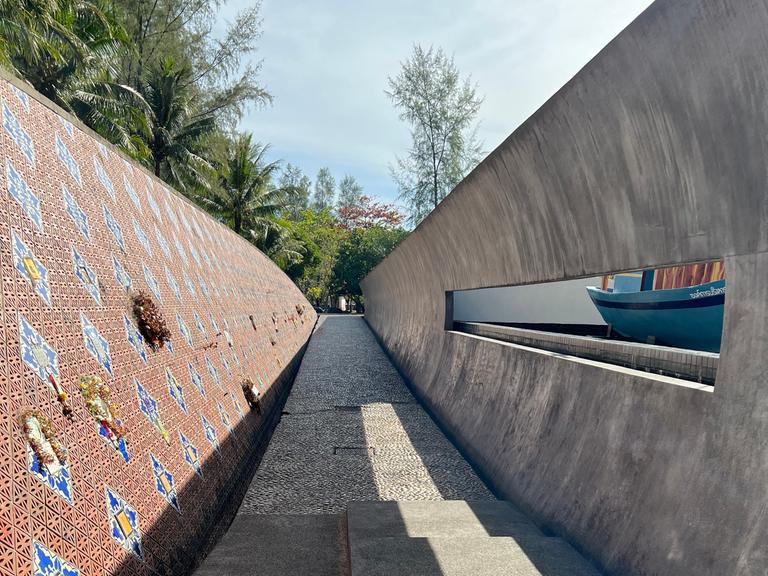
{"type": "Point", "coordinates": [81, 229]}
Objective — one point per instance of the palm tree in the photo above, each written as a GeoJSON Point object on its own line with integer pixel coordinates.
{"type": "Point", "coordinates": [176, 129]}
{"type": "Point", "coordinates": [67, 50]}
{"type": "Point", "coordinates": [245, 197]}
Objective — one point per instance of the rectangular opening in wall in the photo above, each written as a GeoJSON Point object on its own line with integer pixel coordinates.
{"type": "Point", "coordinates": [666, 321]}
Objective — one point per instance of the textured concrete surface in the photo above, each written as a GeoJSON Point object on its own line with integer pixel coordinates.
{"type": "Point", "coordinates": [352, 431]}
{"type": "Point", "coordinates": [654, 154]}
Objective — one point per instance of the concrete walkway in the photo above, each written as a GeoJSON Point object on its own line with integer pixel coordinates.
{"type": "Point", "coordinates": [351, 431]}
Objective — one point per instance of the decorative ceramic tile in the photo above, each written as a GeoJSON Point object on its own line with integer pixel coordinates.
{"type": "Point", "coordinates": [212, 370]}
{"type": "Point", "coordinates": [210, 432]}
{"type": "Point", "coordinates": [76, 213]}
{"type": "Point", "coordinates": [131, 193]}
{"type": "Point", "coordinates": [135, 339]}
{"type": "Point", "coordinates": [68, 160]}
{"type": "Point", "coordinates": [123, 522]}
{"type": "Point", "coordinates": [163, 243]}
{"type": "Point", "coordinates": [148, 406]}
{"type": "Point", "coordinates": [191, 457]}
{"type": "Point", "coordinates": [197, 380]}
{"type": "Point", "coordinates": [142, 237]}
{"type": "Point", "coordinates": [175, 389]}
{"type": "Point", "coordinates": [22, 193]}
{"type": "Point", "coordinates": [236, 404]}
{"type": "Point", "coordinates": [225, 418]}
{"type": "Point", "coordinates": [22, 96]}
{"type": "Point", "coordinates": [119, 445]}
{"type": "Point", "coordinates": [36, 353]}
{"type": "Point", "coordinates": [185, 221]}
{"type": "Point", "coordinates": [27, 264]}
{"type": "Point", "coordinates": [153, 205]}
{"type": "Point", "coordinates": [121, 275]}
{"type": "Point", "coordinates": [96, 344]}
{"type": "Point", "coordinates": [67, 126]}
{"type": "Point", "coordinates": [195, 254]}
{"type": "Point", "coordinates": [152, 282]}
{"type": "Point", "coordinates": [203, 287]}
{"type": "Point", "coordinates": [128, 166]}
{"type": "Point", "coordinates": [86, 275]}
{"type": "Point", "coordinates": [20, 137]}
{"type": "Point", "coordinates": [171, 215]}
{"type": "Point", "coordinates": [114, 227]}
{"type": "Point", "coordinates": [180, 249]}
{"type": "Point", "coordinates": [46, 563]}
{"type": "Point", "coordinates": [103, 177]}
{"type": "Point", "coordinates": [60, 481]}
{"type": "Point", "coordinates": [164, 483]}
{"type": "Point", "coordinates": [103, 150]}
{"type": "Point", "coordinates": [190, 286]}
{"type": "Point", "coordinates": [184, 330]}
{"type": "Point", "coordinates": [225, 363]}
{"type": "Point", "coordinates": [234, 357]}
{"type": "Point", "coordinates": [214, 325]}
{"type": "Point", "coordinates": [169, 346]}
{"type": "Point", "coordinates": [200, 325]}
{"type": "Point", "coordinates": [169, 277]}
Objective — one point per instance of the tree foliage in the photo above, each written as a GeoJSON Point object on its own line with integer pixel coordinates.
{"type": "Point", "coordinates": [350, 191]}
{"type": "Point", "coordinates": [440, 107]}
{"type": "Point", "coordinates": [367, 213]}
{"type": "Point", "coordinates": [325, 190]}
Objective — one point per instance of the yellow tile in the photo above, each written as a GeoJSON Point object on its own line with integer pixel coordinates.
{"type": "Point", "coordinates": [31, 268]}
{"type": "Point", "coordinates": [124, 523]}
{"type": "Point", "coordinates": [166, 484]}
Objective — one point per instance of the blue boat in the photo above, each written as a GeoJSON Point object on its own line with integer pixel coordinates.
{"type": "Point", "coordinates": [689, 317]}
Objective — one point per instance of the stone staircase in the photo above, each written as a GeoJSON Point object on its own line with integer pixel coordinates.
{"type": "Point", "coordinates": [428, 538]}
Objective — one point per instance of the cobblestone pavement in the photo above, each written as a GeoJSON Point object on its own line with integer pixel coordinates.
{"type": "Point", "coordinates": [352, 431]}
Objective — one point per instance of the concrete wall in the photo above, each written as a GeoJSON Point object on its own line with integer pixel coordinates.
{"type": "Point", "coordinates": [654, 154]}
{"type": "Point", "coordinates": [175, 498]}
{"type": "Point", "coordinates": [553, 303]}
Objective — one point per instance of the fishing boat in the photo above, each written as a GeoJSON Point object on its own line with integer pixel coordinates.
{"type": "Point", "coordinates": [680, 306]}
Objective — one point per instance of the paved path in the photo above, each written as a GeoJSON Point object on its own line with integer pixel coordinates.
{"type": "Point", "coordinates": [351, 431]}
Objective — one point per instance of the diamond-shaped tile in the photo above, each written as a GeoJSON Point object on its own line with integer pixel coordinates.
{"type": "Point", "coordinates": [36, 353]}
{"type": "Point", "coordinates": [142, 237]}
{"type": "Point", "coordinates": [86, 275]}
{"type": "Point", "coordinates": [96, 344]}
{"type": "Point", "coordinates": [190, 454]}
{"type": "Point", "coordinates": [131, 192]}
{"type": "Point", "coordinates": [123, 522]}
{"type": "Point", "coordinates": [184, 330]}
{"type": "Point", "coordinates": [175, 389]}
{"type": "Point", "coordinates": [197, 380]}
{"type": "Point", "coordinates": [68, 160]}
{"type": "Point", "coordinates": [114, 227]}
{"type": "Point", "coordinates": [20, 137]}
{"type": "Point", "coordinates": [27, 264]}
{"type": "Point", "coordinates": [148, 406]}
{"type": "Point", "coordinates": [210, 432]}
{"type": "Point", "coordinates": [164, 483]}
{"type": "Point", "coordinates": [22, 193]}
{"type": "Point", "coordinates": [46, 563]}
{"type": "Point", "coordinates": [121, 275]}
{"type": "Point", "coordinates": [76, 213]}
{"type": "Point", "coordinates": [152, 282]}
{"type": "Point", "coordinates": [135, 339]}
{"type": "Point", "coordinates": [103, 177]}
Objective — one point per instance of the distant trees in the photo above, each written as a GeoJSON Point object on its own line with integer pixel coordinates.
{"type": "Point", "coordinates": [293, 179]}
{"type": "Point", "coordinates": [325, 190]}
{"type": "Point", "coordinates": [350, 192]}
{"type": "Point", "coordinates": [440, 107]}
{"type": "Point", "coordinates": [367, 213]}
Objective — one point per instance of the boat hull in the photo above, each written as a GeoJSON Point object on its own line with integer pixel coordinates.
{"type": "Point", "coordinates": [690, 317]}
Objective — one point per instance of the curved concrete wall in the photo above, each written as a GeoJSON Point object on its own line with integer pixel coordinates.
{"type": "Point", "coordinates": [656, 153]}
{"type": "Point", "coordinates": [153, 504]}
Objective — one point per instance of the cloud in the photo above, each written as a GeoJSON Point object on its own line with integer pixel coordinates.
{"type": "Point", "coordinates": [327, 63]}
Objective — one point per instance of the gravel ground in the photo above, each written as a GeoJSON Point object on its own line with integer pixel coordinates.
{"type": "Point", "coordinates": [352, 431]}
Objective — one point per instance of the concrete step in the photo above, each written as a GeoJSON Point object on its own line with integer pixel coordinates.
{"type": "Point", "coordinates": [466, 556]}
{"type": "Point", "coordinates": [433, 519]}
{"type": "Point", "coordinates": [279, 545]}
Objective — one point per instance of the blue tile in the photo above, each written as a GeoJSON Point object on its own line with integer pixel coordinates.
{"type": "Point", "coordinates": [172, 284]}
{"type": "Point", "coordinates": [210, 432]}
{"type": "Point", "coordinates": [38, 276]}
{"type": "Point", "coordinates": [127, 532]}
{"type": "Point", "coordinates": [163, 243]}
{"type": "Point", "coordinates": [197, 380]}
{"type": "Point", "coordinates": [190, 453]}
{"type": "Point", "coordinates": [47, 563]}
{"type": "Point", "coordinates": [76, 213]}
{"type": "Point", "coordinates": [103, 177]}
{"type": "Point", "coordinates": [86, 275]}
{"type": "Point", "coordinates": [212, 370]}
{"type": "Point", "coordinates": [164, 483]}
{"type": "Point", "coordinates": [121, 275]}
{"type": "Point", "coordinates": [184, 330]}
{"type": "Point", "coordinates": [142, 237]}
{"type": "Point", "coordinates": [148, 406]}
{"type": "Point", "coordinates": [131, 193]}
{"type": "Point", "coordinates": [22, 193]}
{"type": "Point", "coordinates": [68, 160]}
{"type": "Point", "coordinates": [175, 390]}
{"type": "Point", "coordinates": [114, 227]}
{"type": "Point", "coordinates": [60, 482]}
{"type": "Point", "coordinates": [36, 353]}
{"type": "Point", "coordinates": [152, 282]}
{"type": "Point", "coordinates": [20, 137]}
{"type": "Point", "coordinates": [96, 344]}
{"type": "Point", "coordinates": [135, 339]}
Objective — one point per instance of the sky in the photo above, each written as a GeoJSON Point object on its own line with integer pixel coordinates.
{"type": "Point", "coordinates": [326, 63]}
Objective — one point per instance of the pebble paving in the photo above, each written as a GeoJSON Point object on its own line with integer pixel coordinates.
{"type": "Point", "coordinates": [351, 430]}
